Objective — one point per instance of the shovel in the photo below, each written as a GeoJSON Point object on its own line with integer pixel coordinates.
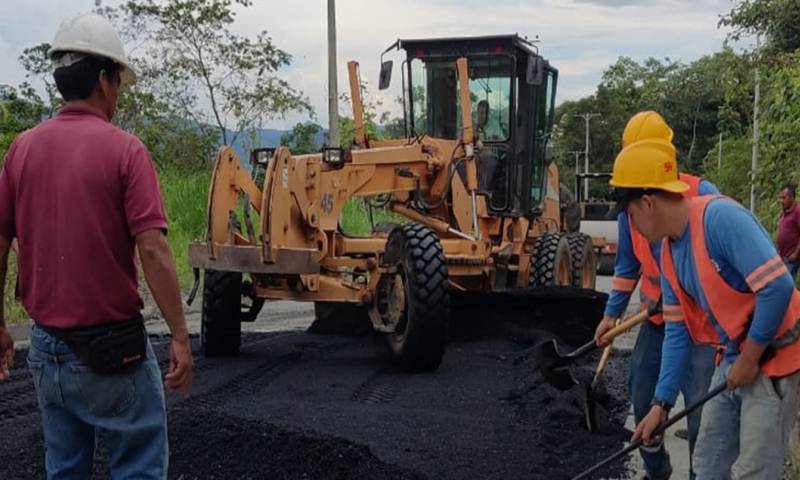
{"type": "Point", "coordinates": [589, 410]}
{"type": "Point", "coordinates": [638, 443]}
{"type": "Point", "coordinates": [555, 366]}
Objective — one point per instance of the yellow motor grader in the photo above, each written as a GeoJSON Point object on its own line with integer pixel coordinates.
{"type": "Point", "coordinates": [473, 180]}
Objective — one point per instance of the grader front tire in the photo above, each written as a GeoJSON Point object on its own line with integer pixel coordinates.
{"type": "Point", "coordinates": [584, 264]}
{"type": "Point", "coordinates": [418, 342]}
{"type": "Point", "coordinates": [552, 265]}
{"type": "Point", "coordinates": [221, 322]}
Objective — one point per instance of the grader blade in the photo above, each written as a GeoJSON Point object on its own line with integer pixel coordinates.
{"type": "Point", "coordinates": [568, 313]}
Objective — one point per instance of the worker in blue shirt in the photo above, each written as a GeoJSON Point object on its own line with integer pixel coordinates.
{"type": "Point", "coordinates": [638, 258]}
{"type": "Point", "coordinates": [723, 284]}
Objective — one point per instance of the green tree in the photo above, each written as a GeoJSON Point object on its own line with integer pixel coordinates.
{"type": "Point", "coordinates": [17, 114]}
{"type": "Point", "coordinates": [301, 138]}
{"type": "Point", "coordinates": [38, 66]}
{"type": "Point", "coordinates": [777, 20]}
{"type": "Point", "coordinates": [191, 49]}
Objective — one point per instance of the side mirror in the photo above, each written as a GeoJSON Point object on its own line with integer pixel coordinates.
{"type": "Point", "coordinates": [534, 74]}
{"type": "Point", "coordinates": [385, 78]}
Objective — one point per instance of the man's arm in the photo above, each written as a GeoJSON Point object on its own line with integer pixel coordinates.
{"type": "Point", "coordinates": [675, 353]}
{"type": "Point", "coordinates": [796, 253]}
{"type": "Point", "coordinates": [626, 275]}
{"type": "Point", "coordinates": [7, 234]}
{"type": "Point", "coordinates": [147, 222]}
{"type": "Point", "coordinates": [6, 342]}
{"type": "Point", "coordinates": [162, 279]}
{"type": "Point", "coordinates": [740, 241]}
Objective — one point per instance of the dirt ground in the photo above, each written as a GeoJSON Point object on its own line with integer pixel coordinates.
{"type": "Point", "coordinates": [297, 405]}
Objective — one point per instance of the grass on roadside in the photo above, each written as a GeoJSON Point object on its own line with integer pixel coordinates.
{"type": "Point", "coordinates": [185, 197]}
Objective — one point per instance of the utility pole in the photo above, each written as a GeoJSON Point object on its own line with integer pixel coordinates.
{"type": "Point", "coordinates": [333, 84]}
{"type": "Point", "coordinates": [577, 154]}
{"type": "Point", "coordinates": [756, 99]}
{"type": "Point", "coordinates": [586, 117]}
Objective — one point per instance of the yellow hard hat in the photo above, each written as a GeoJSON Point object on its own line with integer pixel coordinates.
{"type": "Point", "coordinates": [647, 124]}
{"type": "Point", "coordinates": [648, 163]}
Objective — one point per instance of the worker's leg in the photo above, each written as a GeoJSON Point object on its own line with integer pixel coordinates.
{"type": "Point", "coordinates": [717, 443]}
{"type": "Point", "coordinates": [135, 431]}
{"type": "Point", "coordinates": [68, 440]}
{"type": "Point", "coordinates": [644, 368]}
{"type": "Point", "coordinates": [696, 383]}
{"type": "Point", "coordinates": [769, 409]}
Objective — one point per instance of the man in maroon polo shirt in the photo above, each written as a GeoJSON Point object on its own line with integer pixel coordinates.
{"type": "Point", "coordinates": [80, 196]}
{"type": "Point", "coordinates": [789, 230]}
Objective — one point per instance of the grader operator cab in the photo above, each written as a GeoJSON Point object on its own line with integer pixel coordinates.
{"type": "Point", "coordinates": [473, 181]}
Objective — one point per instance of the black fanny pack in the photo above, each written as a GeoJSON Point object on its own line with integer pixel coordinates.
{"type": "Point", "coordinates": [109, 348]}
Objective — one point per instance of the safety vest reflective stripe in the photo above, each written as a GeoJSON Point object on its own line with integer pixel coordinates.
{"type": "Point", "coordinates": [767, 272]}
{"type": "Point", "coordinates": [623, 284]}
{"type": "Point", "coordinates": [732, 309]}
{"type": "Point", "coordinates": [672, 313]}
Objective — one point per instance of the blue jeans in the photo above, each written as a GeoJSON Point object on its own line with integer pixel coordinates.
{"type": "Point", "coordinates": [745, 433]}
{"type": "Point", "coordinates": [128, 408]}
{"type": "Point", "coordinates": [645, 367]}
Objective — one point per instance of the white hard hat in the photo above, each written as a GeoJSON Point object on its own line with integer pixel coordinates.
{"type": "Point", "coordinates": [91, 34]}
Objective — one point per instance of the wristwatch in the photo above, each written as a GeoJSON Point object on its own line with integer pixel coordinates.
{"type": "Point", "coordinates": [658, 402]}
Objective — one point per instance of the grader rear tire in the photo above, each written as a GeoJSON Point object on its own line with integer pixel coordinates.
{"type": "Point", "coordinates": [552, 265]}
{"type": "Point", "coordinates": [420, 300]}
{"type": "Point", "coordinates": [221, 322]}
{"type": "Point", "coordinates": [584, 263]}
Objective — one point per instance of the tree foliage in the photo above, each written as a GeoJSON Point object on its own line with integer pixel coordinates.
{"type": "Point", "coordinates": [301, 139]}
{"type": "Point", "coordinates": [38, 67]}
{"type": "Point", "coordinates": [193, 52]}
{"type": "Point", "coordinates": [777, 20]}
{"type": "Point", "coordinates": [17, 113]}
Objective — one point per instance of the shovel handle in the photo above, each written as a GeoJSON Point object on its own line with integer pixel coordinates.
{"type": "Point", "coordinates": [623, 327]}
{"type": "Point", "coordinates": [602, 363]}
{"type": "Point", "coordinates": [626, 325]}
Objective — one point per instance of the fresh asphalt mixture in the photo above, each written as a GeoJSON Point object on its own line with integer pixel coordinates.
{"type": "Point", "coordinates": [299, 405]}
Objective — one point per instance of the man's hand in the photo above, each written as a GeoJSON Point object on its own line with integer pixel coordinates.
{"type": "Point", "coordinates": [179, 376]}
{"type": "Point", "coordinates": [655, 418]}
{"type": "Point", "coordinates": [607, 323]}
{"type": "Point", "coordinates": [742, 373]}
{"type": "Point", "coordinates": [6, 354]}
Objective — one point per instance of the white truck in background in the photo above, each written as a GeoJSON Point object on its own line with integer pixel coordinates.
{"type": "Point", "coordinates": [594, 217]}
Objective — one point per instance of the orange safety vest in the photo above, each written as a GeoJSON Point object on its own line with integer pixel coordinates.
{"type": "Point", "coordinates": [650, 290]}
{"type": "Point", "coordinates": [731, 308]}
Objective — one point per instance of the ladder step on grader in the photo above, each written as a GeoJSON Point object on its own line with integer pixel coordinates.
{"type": "Point", "coordinates": [473, 181]}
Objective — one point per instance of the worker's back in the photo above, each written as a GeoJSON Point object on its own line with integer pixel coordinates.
{"type": "Point", "coordinates": [80, 189]}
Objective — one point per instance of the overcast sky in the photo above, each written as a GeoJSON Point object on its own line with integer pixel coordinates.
{"type": "Point", "coordinates": [579, 37]}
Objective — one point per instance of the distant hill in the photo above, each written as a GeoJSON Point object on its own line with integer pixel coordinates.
{"type": "Point", "coordinates": [267, 137]}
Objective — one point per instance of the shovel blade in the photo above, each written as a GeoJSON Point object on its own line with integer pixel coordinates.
{"type": "Point", "coordinates": [554, 366]}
